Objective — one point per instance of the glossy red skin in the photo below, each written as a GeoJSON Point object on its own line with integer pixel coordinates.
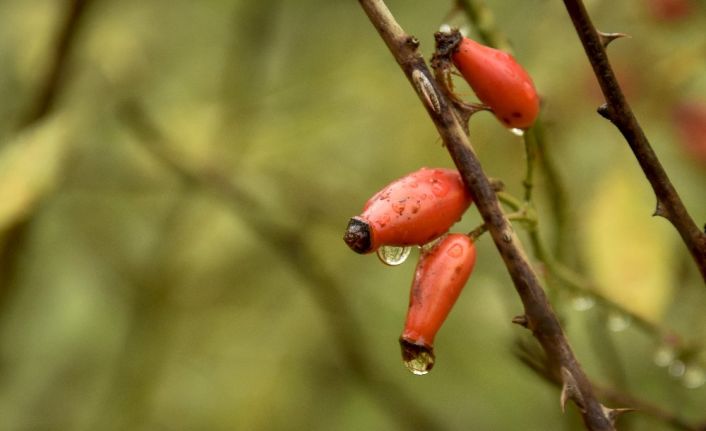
{"type": "Point", "coordinates": [417, 208]}
{"type": "Point", "coordinates": [690, 122]}
{"type": "Point", "coordinates": [670, 10]}
{"type": "Point", "coordinates": [439, 278]}
{"type": "Point", "coordinates": [499, 82]}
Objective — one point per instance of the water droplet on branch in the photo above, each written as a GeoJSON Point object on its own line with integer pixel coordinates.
{"type": "Point", "coordinates": [618, 322]}
{"type": "Point", "coordinates": [517, 132]}
{"type": "Point", "coordinates": [392, 255]}
{"type": "Point", "coordinates": [694, 377]}
{"type": "Point", "coordinates": [583, 303]}
{"type": "Point", "coordinates": [664, 356]}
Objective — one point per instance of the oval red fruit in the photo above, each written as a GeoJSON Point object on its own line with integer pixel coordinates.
{"type": "Point", "coordinates": [412, 210]}
{"type": "Point", "coordinates": [690, 121]}
{"type": "Point", "coordinates": [499, 82]}
{"type": "Point", "coordinates": [441, 274]}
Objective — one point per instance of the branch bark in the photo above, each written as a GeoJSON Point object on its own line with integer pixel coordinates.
{"type": "Point", "coordinates": [539, 316]}
{"type": "Point", "coordinates": [50, 86]}
{"type": "Point", "coordinates": [618, 111]}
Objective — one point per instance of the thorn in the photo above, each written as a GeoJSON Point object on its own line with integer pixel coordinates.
{"type": "Point", "coordinates": [614, 414]}
{"type": "Point", "coordinates": [660, 210]}
{"type": "Point", "coordinates": [607, 38]}
{"type": "Point", "coordinates": [604, 111]}
{"type": "Point", "coordinates": [569, 390]}
{"type": "Point", "coordinates": [521, 320]}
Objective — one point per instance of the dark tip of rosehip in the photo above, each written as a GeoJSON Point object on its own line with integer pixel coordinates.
{"type": "Point", "coordinates": [447, 43]}
{"type": "Point", "coordinates": [418, 358]}
{"type": "Point", "coordinates": [358, 236]}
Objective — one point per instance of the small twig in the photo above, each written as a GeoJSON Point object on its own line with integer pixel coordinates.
{"type": "Point", "coordinates": [618, 111]}
{"type": "Point", "coordinates": [536, 363]}
{"type": "Point", "coordinates": [530, 141]}
{"type": "Point", "coordinates": [49, 87]}
{"type": "Point", "coordinates": [541, 320]}
{"type": "Point", "coordinates": [484, 22]}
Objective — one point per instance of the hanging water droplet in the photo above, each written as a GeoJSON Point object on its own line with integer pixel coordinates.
{"type": "Point", "coordinates": [444, 28]}
{"type": "Point", "coordinates": [618, 322]}
{"type": "Point", "coordinates": [677, 368]}
{"type": "Point", "coordinates": [583, 303]}
{"type": "Point", "coordinates": [418, 359]}
{"type": "Point", "coordinates": [694, 377]}
{"type": "Point", "coordinates": [664, 356]}
{"type": "Point", "coordinates": [392, 255]}
{"type": "Point", "coordinates": [517, 132]}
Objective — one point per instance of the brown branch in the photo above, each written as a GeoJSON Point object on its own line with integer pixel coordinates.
{"type": "Point", "coordinates": [617, 110]}
{"type": "Point", "coordinates": [50, 85]}
{"type": "Point", "coordinates": [539, 316]}
{"type": "Point", "coordinates": [533, 360]}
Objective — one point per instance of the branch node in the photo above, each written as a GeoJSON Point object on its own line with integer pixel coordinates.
{"type": "Point", "coordinates": [413, 42]}
{"type": "Point", "coordinates": [498, 186]}
{"type": "Point", "coordinates": [521, 320]}
{"type": "Point", "coordinates": [607, 38]}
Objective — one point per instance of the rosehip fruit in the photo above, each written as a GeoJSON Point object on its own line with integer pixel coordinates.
{"type": "Point", "coordinates": [441, 274]}
{"type": "Point", "coordinates": [412, 210]}
{"type": "Point", "coordinates": [670, 10]}
{"type": "Point", "coordinates": [690, 122]}
{"type": "Point", "coordinates": [499, 82]}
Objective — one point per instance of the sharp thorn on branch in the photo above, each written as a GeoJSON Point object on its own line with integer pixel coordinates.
{"type": "Point", "coordinates": [607, 38]}
{"type": "Point", "coordinates": [604, 111]}
{"type": "Point", "coordinates": [570, 391]}
{"type": "Point", "coordinates": [521, 320]}
{"type": "Point", "coordinates": [660, 211]}
{"type": "Point", "coordinates": [614, 414]}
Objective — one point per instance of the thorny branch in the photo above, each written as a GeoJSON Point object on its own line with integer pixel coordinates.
{"type": "Point", "coordinates": [539, 317]}
{"type": "Point", "coordinates": [618, 111]}
{"type": "Point", "coordinates": [50, 86]}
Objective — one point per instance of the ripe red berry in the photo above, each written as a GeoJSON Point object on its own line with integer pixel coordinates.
{"type": "Point", "coordinates": [412, 210]}
{"type": "Point", "coordinates": [670, 10]}
{"type": "Point", "coordinates": [499, 82]}
{"type": "Point", "coordinates": [440, 276]}
{"type": "Point", "coordinates": [690, 122]}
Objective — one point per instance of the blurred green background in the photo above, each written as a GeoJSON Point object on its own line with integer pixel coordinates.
{"type": "Point", "coordinates": [170, 226]}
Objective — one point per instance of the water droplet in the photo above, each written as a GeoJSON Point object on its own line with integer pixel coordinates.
{"type": "Point", "coordinates": [583, 303]}
{"type": "Point", "coordinates": [445, 28]}
{"type": "Point", "coordinates": [392, 255]}
{"type": "Point", "coordinates": [664, 356]}
{"type": "Point", "coordinates": [618, 322]}
{"type": "Point", "coordinates": [517, 132]}
{"type": "Point", "coordinates": [694, 377]}
{"type": "Point", "coordinates": [418, 359]}
{"type": "Point", "coordinates": [677, 368]}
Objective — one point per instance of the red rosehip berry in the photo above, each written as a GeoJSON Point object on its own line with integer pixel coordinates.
{"type": "Point", "coordinates": [690, 122]}
{"type": "Point", "coordinates": [499, 82]}
{"type": "Point", "coordinates": [412, 210]}
{"type": "Point", "coordinates": [670, 10]}
{"type": "Point", "coordinates": [441, 274]}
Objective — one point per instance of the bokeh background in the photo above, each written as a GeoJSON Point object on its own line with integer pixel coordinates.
{"type": "Point", "coordinates": [172, 207]}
